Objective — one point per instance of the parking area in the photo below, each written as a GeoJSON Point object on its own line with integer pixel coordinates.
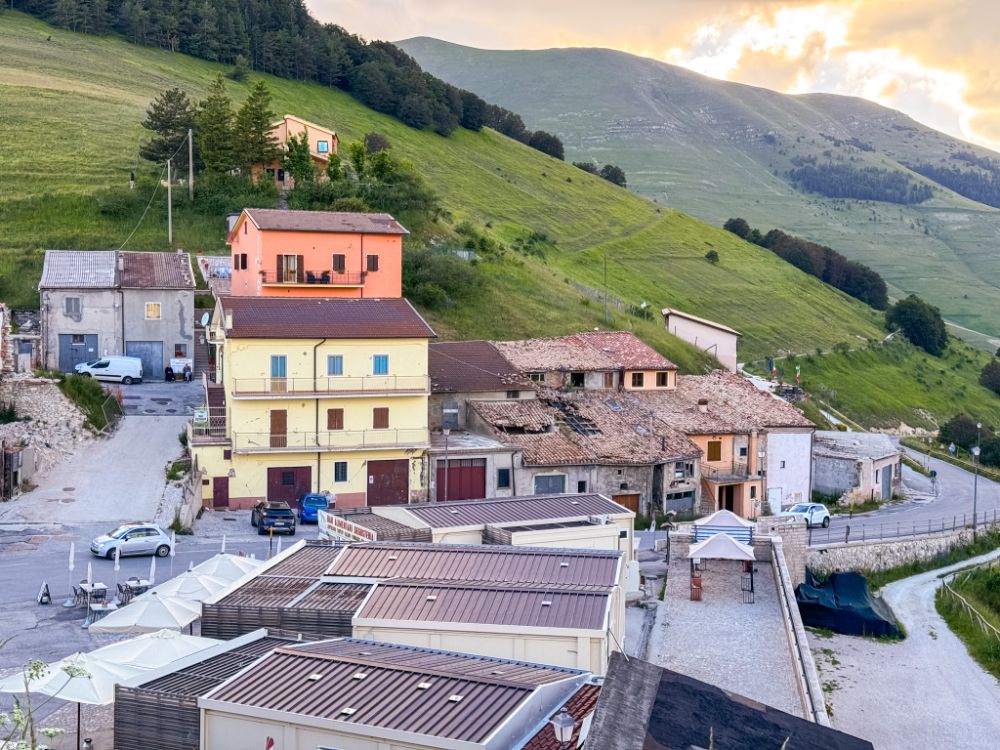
{"type": "Point", "coordinates": [152, 398]}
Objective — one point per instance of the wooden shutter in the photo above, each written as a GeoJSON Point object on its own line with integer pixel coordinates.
{"type": "Point", "coordinates": [339, 263]}
{"type": "Point", "coordinates": [300, 266]}
{"type": "Point", "coordinates": [380, 418]}
{"type": "Point", "coordinates": [279, 428]}
{"type": "Point", "coordinates": [714, 450]}
{"type": "Point", "coordinates": [334, 419]}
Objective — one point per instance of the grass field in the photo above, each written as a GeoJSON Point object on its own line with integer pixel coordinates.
{"type": "Point", "coordinates": [981, 589]}
{"type": "Point", "coordinates": [69, 112]}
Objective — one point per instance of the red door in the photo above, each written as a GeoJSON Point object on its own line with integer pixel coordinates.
{"type": "Point", "coordinates": [220, 492]}
{"type": "Point", "coordinates": [288, 483]}
{"type": "Point", "coordinates": [388, 482]}
{"type": "Point", "coordinates": [466, 479]}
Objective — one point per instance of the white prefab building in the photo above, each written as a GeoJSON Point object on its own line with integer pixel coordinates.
{"type": "Point", "coordinates": [707, 335]}
{"type": "Point", "coordinates": [789, 466]}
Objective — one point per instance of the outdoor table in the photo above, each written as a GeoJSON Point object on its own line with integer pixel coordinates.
{"type": "Point", "coordinates": [138, 587]}
{"type": "Point", "coordinates": [90, 588]}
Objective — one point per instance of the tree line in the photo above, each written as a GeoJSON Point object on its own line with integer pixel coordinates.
{"type": "Point", "coordinates": [281, 37]}
{"type": "Point", "coordinates": [610, 172]}
{"type": "Point", "coordinates": [981, 184]}
{"type": "Point", "coordinates": [866, 183]}
{"type": "Point", "coordinates": [962, 431]}
{"type": "Point", "coordinates": [852, 278]}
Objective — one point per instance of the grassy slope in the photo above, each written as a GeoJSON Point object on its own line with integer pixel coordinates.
{"type": "Point", "coordinates": [75, 111]}
{"type": "Point", "coordinates": [698, 144]}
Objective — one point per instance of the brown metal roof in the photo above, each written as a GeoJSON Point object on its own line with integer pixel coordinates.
{"type": "Point", "coordinates": [486, 605]}
{"type": "Point", "coordinates": [392, 692]}
{"type": "Point", "coordinates": [265, 591]}
{"type": "Point", "coordinates": [305, 318]}
{"type": "Point", "coordinates": [472, 367]}
{"type": "Point", "coordinates": [339, 222]}
{"type": "Point", "coordinates": [441, 515]}
{"type": "Point", "coordinates": [477, 563]}
{"type": "Point", "coordinates": [156, 271]}
{"type": "Point", "coordinates": [384, 528]}
{"type": "Point", "coordinates": [199, 678]}
{"type": "Point", "coordinates": [311, 560]}
{"type": "Point", "coordinates": [334, 596]}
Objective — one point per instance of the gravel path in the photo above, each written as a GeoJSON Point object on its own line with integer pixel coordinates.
{"type": "Point", "coordinates": [923, 692]}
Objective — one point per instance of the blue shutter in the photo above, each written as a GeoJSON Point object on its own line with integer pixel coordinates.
{"type": "Point", "coordinates": [278, 366]}
{"type": "Point", "coordinates": [335, 364]}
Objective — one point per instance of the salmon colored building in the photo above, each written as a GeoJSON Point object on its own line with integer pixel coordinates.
{"type": "Point", "coordinates": [322, 143]}
{"type": "Point", "coordinates": [281, 253]}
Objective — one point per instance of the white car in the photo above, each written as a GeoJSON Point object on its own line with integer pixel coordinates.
{"type": "Point", "coordinates": [814, 514]}
{"type": "Point", "coordinates": [132, 539]}
{"type": "Point", "coordinates": [125, 370]}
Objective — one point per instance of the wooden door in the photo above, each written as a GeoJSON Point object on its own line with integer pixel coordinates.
{"type": "Point", "coordinates": [279, 428]}
{"type": "Point", "coordinates": [288, 483]}
{"type": "Point", "coordinates": [629, 500]}
{"type": "Point", "coordinates": [388, 482]}
{"type": "Point", "coordinates": [220, 492]}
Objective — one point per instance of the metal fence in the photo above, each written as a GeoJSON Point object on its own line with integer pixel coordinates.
{"type": "Point", "coordinates": [970, 611]}
{"type": "Point", "coordinates": [866, 529]}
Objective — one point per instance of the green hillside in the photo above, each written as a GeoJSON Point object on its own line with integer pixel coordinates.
{"type": "Point", "coordinates": [69, 111]}
{"type": "Point", "coordinates": [716, 149]}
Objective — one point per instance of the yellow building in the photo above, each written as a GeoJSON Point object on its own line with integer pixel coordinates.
{"type": "Point", "coordinates": [314, 395]}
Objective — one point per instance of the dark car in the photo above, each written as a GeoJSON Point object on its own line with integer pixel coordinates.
{"type": "Point", "coordinates": [274, 516]}
{"type": "Point", "coordinates": [310, 505]}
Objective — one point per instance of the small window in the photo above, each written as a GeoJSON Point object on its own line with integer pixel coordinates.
{"type": "Point", "coordinates": [380, 418]}
{"type": "Point", "coordinates": [72, 305]}
{"type": "Point", "coordinates": [339, 263]}
{"type": "Point", "coordinates": [180, 351]}
{"type": "Point", "coordinates": [243, 261]}
{"type": "Point", "coordinates": [246, 227]}
{"type": "Point", "coordinates": [513, 394]}
{"type": "Point", "coordinates": [77, 339]}
{"type": "Point", "coordinates": [335, 364]}
{"type": "Point", "coordinates": [334, 419]}
{"type": "Point", "coordinates": [662, 379]}
{"type": "Point", "coordinates": [503, 479]}
{"type": "Point", "coordinates": [714, 450]}
{"type": "Point", "coordinates": [152, 311]}
{"type": "Point", "coordinates": [577, 379]}
{"type": "Point", "coordinates": [380, 364]}
{"type": "Point", "coordinates": [782, 464]}
{"type": "Point", "coordinates": [581, 486]}
{"type": "Point", "coordinates": [609, 380]}
{"type": "Point", "coordinates": [753, 491]}
{"type": "Point", "coordinates": [340, 471]}
{"type": "Point", "coordinates": [743, 452]}
{"type": "Point", "coordinates": [372, 263]}
{"type": "Point", "coordinates": [322, 147]}
{"type": "Point", "coordinates": [637, 379]}
{"type": "Point", "coordinates": [281, 175]}
{"type": "Point", "coordinates": [537, 377]}
{"type": "Point", "coordinates": [288, 478]}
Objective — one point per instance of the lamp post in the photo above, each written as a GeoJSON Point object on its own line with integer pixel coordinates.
{"type": "Point", "coordinates": [761, 454]}
{"type": "Point", "coordinates": [975, 477]}
{"type": "Point", "coordinates": [563, 726]}
{"type": "Point", "coordinates": [446, 432]}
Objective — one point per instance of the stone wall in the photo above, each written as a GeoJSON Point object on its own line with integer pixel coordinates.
{"type": "Point", "coordinates": [55, 428]}
{"type": "Point", "coordinates": [795, 543]}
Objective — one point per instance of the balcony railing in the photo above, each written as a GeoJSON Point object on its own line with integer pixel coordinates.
{"type": "Point", "coordinates": [725, 472]}
{"type": "Point", "coordinates": [313, 278]}
{"type": "Point", "coordinates": [334, 440]}
{"type": "Point", "coordinates": [208, 425]}
{"type": "Point", "coordinates": [329, 386]}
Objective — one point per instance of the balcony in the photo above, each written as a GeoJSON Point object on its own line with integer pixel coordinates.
{"type": "Point", "coordinates": [325, 278]}
{"type": "Point", "coordinates": [208, 426]}
{"type": "Point", "coordinates": [334, 440]}
{"type": "Point", "coordinates": [719, 471]}
{"type": "Point", "coordinates": [369, 385]}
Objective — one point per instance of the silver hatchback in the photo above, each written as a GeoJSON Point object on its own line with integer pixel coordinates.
{"type": "Point", "coordinates": [132, 539]}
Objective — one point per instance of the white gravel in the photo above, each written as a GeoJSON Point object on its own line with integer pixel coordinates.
{"type": "Point", "coordinates": [922, 692]}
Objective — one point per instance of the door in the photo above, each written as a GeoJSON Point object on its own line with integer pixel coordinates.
{"type": "Point", "coordinates": [552, 484]}
{"type": "Point", "coordinates": [75, 348]}
{"type": "Point", "coordinates": [279, 373]}
{"type": "Point", "coordinates": [388, 482]}
{"type": "Point", "coordinates": [220, 492]}
{"type": "Point", "coordinates": [629, 500]}
{"type": "Point", "coordinates": [887, 482]}
{"type": "Point", "coordinates": [151, 354]}
{"type": "Point", "coordinates": [279, 428]}
{"type": "Point", "coordinates": [727, 497]}
{"type": "Point", "coordinates": [466, 479]}
{"type": "Point", "coordinates": [288, 483]}
{"type": "Point", "coordinates": [774, 495]}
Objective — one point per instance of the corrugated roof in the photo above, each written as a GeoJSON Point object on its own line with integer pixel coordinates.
{"type": "Point", "coordinates": [399, 688]}
{"type": "Point", "coordinates": [487, 605]}
{"type": "Point", "coordinates": [305, 318]}
{"type": "Point", "coordinates": [199, 678]}
{"type": "Point", "coordinates": [311, 560]}
{"type": "Point", "coordinates": [78, 269]}
{"type": "Point", "coordinates": [472, 367]}
{"type": "Point", "coordinates": [581, 705]}
{"type": "Point", "coordinates": [283, 220]}
{"type": "Point", "coordinates": [513, 509]}
{"type": "Point", "coordinates": [334, 596]}
{"type": "Point", "coordinates": [156, 271]}
{"type": "Point", "coordinates": [265, 591]}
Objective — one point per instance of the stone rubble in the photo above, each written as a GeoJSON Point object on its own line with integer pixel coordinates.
{"type": "Point", "coordinates": [54, 426]}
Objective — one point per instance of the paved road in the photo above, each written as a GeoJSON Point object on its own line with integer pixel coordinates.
{"type": "Point", "coordinates": [157, 398]}
{"type": "Point", "coordinates": [950, 502]}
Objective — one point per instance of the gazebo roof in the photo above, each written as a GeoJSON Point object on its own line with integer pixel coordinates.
{"type": "Point", "coordinates": [721, 547]}
{"type": "Point", "coordinates": [724, 518]}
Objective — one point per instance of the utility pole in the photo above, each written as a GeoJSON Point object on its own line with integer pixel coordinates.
{"type": "Point", "coordinates": [170, 209]}
{"type": "Point", "coordinates": [975, 480]}
{"type": "Point", "coordinates": [605, 286]}
{"type": "Point", "coordinates": [190, 165]}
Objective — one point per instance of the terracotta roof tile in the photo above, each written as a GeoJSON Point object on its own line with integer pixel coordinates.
{"type": "Point", "coordinates": [472, 367]}
{"type": "Point", "coordinates": [282, 220]}
{"type": "Point", "coordinates": [298, 317]}
{"type": "Point", "coordinates": [627, 350]}
{"type": "Point", "coordinates": [582, 704]}
{"type": "Point", "coordinates": [588, 351]}
{"type": "Point", "coordinates": [156, 271]}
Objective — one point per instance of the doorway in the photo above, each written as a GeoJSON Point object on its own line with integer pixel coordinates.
{"type": "Point", "coordinates": [388, 482]}
{"type": "Point", "coordinates": [220, 492]}
{"type": "Point", "coordinates": [727, 497]}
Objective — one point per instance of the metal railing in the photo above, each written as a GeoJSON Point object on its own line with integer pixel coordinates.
{"type": "Point", "coordinates": [333, 440]}
{"type": "Point", "coordinates": [868, 530]}
{"type": "Point", "coordinates": [721, 472]}
{"type": "Point", "coordinates": [209, 424]}
{"type": "Point", "coordinates": [318, 278]}
{"type": "Point", "coordinates": [333, 385]}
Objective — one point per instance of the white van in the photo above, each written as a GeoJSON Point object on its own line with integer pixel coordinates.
{"type": "Point", "coordinates": [125, 370]}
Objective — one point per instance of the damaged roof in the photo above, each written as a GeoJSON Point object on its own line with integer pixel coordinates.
{"type": "Point", "coordinates": [78, 269]}
{"type": "Point", "coordinates": [156, 271]}
{"type": "Point", "coordinates": [472, 367]}
{"type": "Point", "coordinates": [591, 350]}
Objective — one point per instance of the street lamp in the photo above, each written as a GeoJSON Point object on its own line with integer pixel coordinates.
{"type": "Point", "coordinates": [446, 432]}
{"type": "Point", "coordinates": [763, 476]}
{"type": "Point", "coordinates": [975, 479]}
{"type": "Point", "coordinates": [563, 726]}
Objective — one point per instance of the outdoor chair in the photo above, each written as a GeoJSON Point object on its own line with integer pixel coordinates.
{"type": "Point", "coordinates": [99, 595]}
{"type": "Point", "coordinates": [310, 277]}
{"type": "Point", "coordinates": [79, 597]}
{"type": "Point", "coordinates": [325, 278]}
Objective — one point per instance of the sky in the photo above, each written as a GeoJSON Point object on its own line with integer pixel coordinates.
{"type": "Point", "coordinates": [935, 60]}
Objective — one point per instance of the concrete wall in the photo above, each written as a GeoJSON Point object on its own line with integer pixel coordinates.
{"type": "Point", "coordinates": [175, 326]}
{"type": "Point", "coordinates": [712, 340]}
{"type": "Point", "coordinates": [99, 313]}
{"type": "Point", "coordinates": [606, 480]}
{"type": "Point", "coordinates": [789, 467]}
{"type": "Point", "coordinates": [835, 476]}
{"type": "Point", "coordinates": [494, 461]}
{"type": "Point", "coordinates": [437, 401]}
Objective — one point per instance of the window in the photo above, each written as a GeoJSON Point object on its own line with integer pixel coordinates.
{"type": "Point", "coordinates": [77, 339]}
{"type": "Point", "coordinates": [380, 364]}
{"type": "Point", "coordinates": [782, 464]}
{"type": "Point", "coordinates": [536, 377]}
{"type": "Point", "coordinates": [322, 147]}
{"type": "Point", "coordinates": [240, 260]}
{"type": "Point", "coordinates": [753, 491]}
{"type": "Point", "coordinates": [72, 305]}
{"type": "Point", "coordinates": [372, 263]}
{"type": "Point", "coordinates": [246, 227]}
{"type": "Point", "coordinates": [181, 351]}
{"type": "Point", "coordinates": [550, 485]}
{"type": "Point", "coordinates": [281, 175]}
{"type": "Point", "coordinates": [339, 263]}
{"type": "Point", "coordinates": [380, 418]}
{"type": "Point", "coordinates": [662, 379]}
{"type": "Point", "coordinates": [289, 268]}
{"type": "Point", "coordinates": [637, 379]}
{"type": "Point", "coordinates": [334, 419]}
{"type": "Point", "coordinates": [288, 478]}
{"type": "Point", "coordinates": [340, 471]}
{"type": "Point", "coordinates": [513, 394]}
{"type": "Point", "coordinates": [743, 452]}
{"type": "Point", "coordinates": [609, 380]}
{"type": "Point", "coordinates": [581, 486]}
{"type": "Point", "coordinates": [335, 364]}
{"type": "Point", "coordinates": [683, 471]}
{"type": "Point", "coordinates": [279, 366]}
{"type": "Point", "coordinates": [503, 479]}
{"type": "Point", "coordinates": [152, 311]}
{"type": "Point", "coordinates": [714, 450]}
{"type": "Point", "coordinates": [577, 379]}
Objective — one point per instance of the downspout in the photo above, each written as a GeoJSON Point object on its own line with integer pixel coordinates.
{"type": "Point", "coordinates": [362, 266]}
{"type": "Point", "coordinates": [315, 389]}
{"type": "Point", "coordinates": [121, 301]}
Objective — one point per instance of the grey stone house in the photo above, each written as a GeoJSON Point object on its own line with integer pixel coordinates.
{"type": "Point", "coordinates": [859, 465]}
{"type": "Point", "coordinates": [97, 303]}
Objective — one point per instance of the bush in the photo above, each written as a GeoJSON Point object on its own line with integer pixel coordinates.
{"type": "Point", "coordinates": [89, 396]}
{"type": "Point", "coordinates": [990, 376]}
{"type": "Point", "coordinates": [920, 322]}
{"type": "Point", "coordinates": [712, 257]}
{"type": "Point", "coordinates": [438, 279]}
{"type": "Point", "coordinates": [739, 227]}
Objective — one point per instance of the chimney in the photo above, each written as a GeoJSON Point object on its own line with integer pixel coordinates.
{"type": "Point", "coordinates": [703, 405]}
{"type": "Point", "coordinates": [121, 262]}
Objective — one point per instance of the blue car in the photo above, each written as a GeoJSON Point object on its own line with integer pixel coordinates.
{"type": "Point", "coordinates": [310, 506]}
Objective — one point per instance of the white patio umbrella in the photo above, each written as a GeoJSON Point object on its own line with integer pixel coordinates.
{"type": "Point", "coordinates": [148, 613]}
{"type": "Point", "coordinates": [118, 563]}
{"type": "Point", "coordinates": [90, 573]}
{"type": "Point", "coordinates": [71, 600]}
{"type": "Point", "coordinates": [192, 585]}
{"type": "Point", "coordinates": [173, 551]}
{"type": "Point", "coordinates": [152, 570]}
{"type": "Point", "coordinates": [152, 650]}
{"type": "Point", "coordinates": [228, 567]}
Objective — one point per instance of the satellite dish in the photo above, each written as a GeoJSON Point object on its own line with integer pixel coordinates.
{"type": "Point", "coordinates": [204, 320]}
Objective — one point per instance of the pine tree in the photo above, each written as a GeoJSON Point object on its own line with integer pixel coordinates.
{"type": "Point", "coordinates": [298, 159]}
{"type": "Point", "coordinates": [254, 142]}
{"type": "Point", "coordinates": [214, 133]}
{"type": "Point", "coordinates": [169, 116]}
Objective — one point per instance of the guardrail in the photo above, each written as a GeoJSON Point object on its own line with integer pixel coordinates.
{"type": "Point", "coordinates": [333, 385]}
{"type": "Point", "coordinates": [735, 471]}
{"type": "Point", "coordinates": [334, 440]}
{"type": "Point", "coordinates": [865, 530]}
{"type": "Point", "coordinates": [313, 278]}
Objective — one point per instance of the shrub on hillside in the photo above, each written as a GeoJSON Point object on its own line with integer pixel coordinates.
{"type": "Point", "coordinates": [438, 279]}
{"type": "Point", "coordinates": [547, 144]}
{"type": "Point", "coordinates": [739, 227]}
{"type": "Point", "coordinates": [990, 376]}
{"type": "Point", "coordinates": [962, 431]}
{"type": "Point", "coordinates": [712, 257]}
{"type": "Point", "coordinates": [920, 322]}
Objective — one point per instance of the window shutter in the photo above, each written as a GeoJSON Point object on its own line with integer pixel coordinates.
{"type": "Point", "coordinates": [334, 419]}
{"type": "Point", "coordinates": [300, 265]}
{"type": "Point", "coordinates": [380, 418]}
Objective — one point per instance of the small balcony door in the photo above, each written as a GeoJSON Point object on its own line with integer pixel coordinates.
{"type": "Point", "coordinates": [279, 373]}
{"type": "Point", "coordinates": [279, 428]}
{"type": "Point", "coordinates": [290, 269]}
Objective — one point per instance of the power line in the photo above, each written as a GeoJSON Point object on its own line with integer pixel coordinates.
{"type": "Point", "coordinates": [151, 197]}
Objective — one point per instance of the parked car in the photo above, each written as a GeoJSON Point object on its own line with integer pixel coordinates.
{"type": "Point", "coordinates": [273, 515]}
{"type": "Point", "coordinates": [310, 505]}
{"type": "Point", "coordinates": [814, 514]}
{"type": "Point", "coordinates": [125, 370]}
{"type": "Point", "coordinates": [132, 539]}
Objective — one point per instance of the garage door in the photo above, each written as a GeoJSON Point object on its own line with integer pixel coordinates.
{"type": "Point", "coordinates": [388, 482]}
{"type": "Point", "coordinates": [151, 354]}
{"type": "Point", "coordinates": [466, 479]}
{"type": "Point", "coordinates": [288, 483]}
{"type": "Point", "coordinates": [75, 348]}
{"type": "Point", "coordinates": [630, 501]}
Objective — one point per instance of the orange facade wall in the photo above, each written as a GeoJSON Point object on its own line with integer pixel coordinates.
{"type": "Point", "coordinates": [649, 380]}
{"type": "Point", "coordinates": [317, 249]}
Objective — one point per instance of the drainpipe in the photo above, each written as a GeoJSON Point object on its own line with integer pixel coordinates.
{"type": "Point", "coordinates": [362, 265]}
{"type": "Point", "coordinates": [121, 301]}
{"type": "Point", "coordinates": [315, 379]}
